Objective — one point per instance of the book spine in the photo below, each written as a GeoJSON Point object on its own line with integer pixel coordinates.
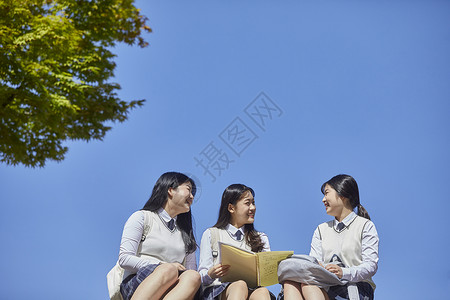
{"type": "Point", "coordinates": [258, 273]}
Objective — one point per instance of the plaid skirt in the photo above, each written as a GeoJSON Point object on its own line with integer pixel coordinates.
{"type": "Point", "coordinates": [130, 284]}
{"type": "Point", "coordinates": [339, 292]}
{"type": "Point", "coordinates": [212, 292]}
{"type": "Point", "coordinates": [365, 291]}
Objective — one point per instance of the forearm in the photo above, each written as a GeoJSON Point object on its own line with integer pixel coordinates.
{"type": "Point", "coordinates": [359, 273]}
{"type": "Point", "coordinates": [131, 262]}
{"type": "Point", "coordinates": [131, 238]}
{"type": "Point", "coordinates": [206, 279]}
{"type": "Point", "coordinates": [206, 258]}
{"type": "Point", "coordinates": [369, 265]}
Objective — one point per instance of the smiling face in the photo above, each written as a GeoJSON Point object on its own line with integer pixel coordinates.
{"type": "Point", "coordinates": [179, 199]}
{"type": "Point", "coordinates": [243, 212]}
{"type": "Point", "coordinates": [334, 204]}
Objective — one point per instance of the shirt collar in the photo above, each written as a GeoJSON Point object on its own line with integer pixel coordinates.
{"type": "Point", "coordinates": [347, 220]}
{"type": "Point", "coordinates": [165, 215]}
{"type": "Point", "coordinates": [231, 229]}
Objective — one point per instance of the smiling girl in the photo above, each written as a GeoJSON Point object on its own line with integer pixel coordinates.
{"type": "Point", "coordinates": [346, 246]}
{"type": "Point", "coordinates": [234, 226]}
{"type": "Point", "coordinates": [161, 264]}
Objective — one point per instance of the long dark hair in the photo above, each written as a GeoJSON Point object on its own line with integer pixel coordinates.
{"type": "Point", "coordinates": [231, 195]}
{"type": "Point", "coordinates": [346, 187]}
{"type": "Point", "coordinates": [159, 197]}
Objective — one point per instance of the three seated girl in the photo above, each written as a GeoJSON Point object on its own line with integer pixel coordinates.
{"type": "Point", "coordinates": [162, 265]}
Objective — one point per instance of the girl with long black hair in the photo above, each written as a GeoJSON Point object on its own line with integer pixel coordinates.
{"type": "Point", "coordinates": [346, 246]}
{"type": "Point", "coordinates": [161, 264]}
{"type": "Point", "coordinates": [234, 226]}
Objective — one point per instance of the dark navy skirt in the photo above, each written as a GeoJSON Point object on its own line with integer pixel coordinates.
{"type": "Point", "coordinates": [365, 291]}
{"type": "Point", "coordinates": [214, 291]}
{"type": "Point", "coordinates": [130, 284]}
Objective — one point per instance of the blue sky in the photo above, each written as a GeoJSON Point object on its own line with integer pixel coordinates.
{"type": "Point", "coordinates": [356, 87]}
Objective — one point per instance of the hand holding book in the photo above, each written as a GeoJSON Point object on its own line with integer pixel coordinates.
{"type": "Point", "coordinates": [218, 270]}
{"type": "Point", "coordinates": [256, 269]}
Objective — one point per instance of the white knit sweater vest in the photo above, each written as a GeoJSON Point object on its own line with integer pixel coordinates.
{"type": "Point", "coordinates": [225, 237]}
{"type": "Point", "coordinates": [162, 245]}
{"type": "Point", "coordinates": [345, 244]}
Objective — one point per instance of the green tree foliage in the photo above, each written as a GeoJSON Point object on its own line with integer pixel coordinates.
{"type": "Point", "coordinates": [55, 67]}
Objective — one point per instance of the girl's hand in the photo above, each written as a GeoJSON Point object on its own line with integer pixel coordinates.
{"type": "Point", "coordinates": [179, 266]}
{"type": "Point", "coordinates": [218, 270]}
{"type": "Point", "coordinates": [335, 269]}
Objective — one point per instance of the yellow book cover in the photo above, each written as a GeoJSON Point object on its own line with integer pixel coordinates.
{"type": "Point", "coordinates": [256, 269]}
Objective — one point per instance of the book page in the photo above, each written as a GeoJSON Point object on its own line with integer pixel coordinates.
{"type": "Point", "coordinates": [242, 264]}
{"type": "Point", "coordinates": [268, 266]}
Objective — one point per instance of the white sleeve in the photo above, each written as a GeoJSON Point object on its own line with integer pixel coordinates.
{"type": "Point", "coordinates": [316, 246]}
{"type": "Point", "coordinates": [191, 263]}
{"type": "Point", "coordinates": [206, 259]}
{"type": "Point", "coordinates": [369, 265]}
{"type": "Point", "coordinates": [131, 237]}
{"type": "Point", "coordinates": [265, 240]}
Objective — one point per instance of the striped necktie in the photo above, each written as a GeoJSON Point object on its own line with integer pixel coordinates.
{"type": "Point", "coordinates": [340, 226]}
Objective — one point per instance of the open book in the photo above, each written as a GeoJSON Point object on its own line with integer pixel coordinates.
{"type": "Point", "coordinates": [256, 269]}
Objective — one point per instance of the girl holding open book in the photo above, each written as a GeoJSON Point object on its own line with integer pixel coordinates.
{"type": "Point", "coordinates": [346, 246]}
{"type": "Point", "coordinates": [234, 226]}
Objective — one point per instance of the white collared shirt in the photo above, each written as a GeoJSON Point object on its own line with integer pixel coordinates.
{"type": "Point", "coordinates": [369, 248]}
{"type": "Point", "coordinates": [233, 230]}
{"type": "Point", "coordinates": [206, 257]}
{"type": "Point", "coordinates": [164, 215]}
